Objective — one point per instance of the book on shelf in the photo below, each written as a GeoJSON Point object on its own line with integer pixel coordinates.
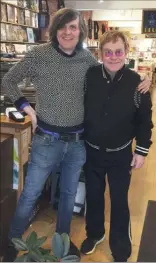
{"type": "Point", "coordinates": [3, 12]}
{"type": "Point", "coordinates": [27, 18]}
{"type": "Point", "coordinates": [3, 32]}
{"type": "Point", "coordinates": [10, 48]}
{"type": "Point", "coordinates": [16, 33]}
{"type": "Point", "coordinates": [34, 19]}
{"type": "Point", "coordinates": [21, 16]}
{"type": "Point", "coordinates": [43, 20]}
{"type": "Point", "coordinates": [12, 14]}
{"type": "Point", "coordinates": [3, 48]}
{"type": "Point", "coordinates": [8, 32]}
{"type": "Point", "coordinates": [22, 34]}
{"type": "Point", "coordinates": [12, 34]}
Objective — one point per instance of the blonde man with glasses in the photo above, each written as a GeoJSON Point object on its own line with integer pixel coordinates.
{"type": "Point", "coordinates": [115, 114]}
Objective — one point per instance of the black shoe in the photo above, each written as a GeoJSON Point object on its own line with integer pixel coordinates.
{"type": "Point", "coordinates": [89, 244]}
{"type": "Point", "coordinates": [73, 250]}
{"type": "Point", "coordinates": [120, 260]}
{"type": "Point", "coordinates": [10, 253]}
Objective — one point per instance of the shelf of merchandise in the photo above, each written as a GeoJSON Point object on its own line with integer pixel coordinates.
{"type": "Point", "coordinates": [17, 6]}
{"type": "Point", "coordinates": [9, 59]}
{"type": "Point", "coordinates": [18, 42]}
{"type": "Point", "coordinates": [16, 24]}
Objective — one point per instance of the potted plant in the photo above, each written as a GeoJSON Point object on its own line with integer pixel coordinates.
{"type": "Point", "coordinates": [32, 250]}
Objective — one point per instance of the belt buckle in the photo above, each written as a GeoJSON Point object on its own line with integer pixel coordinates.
{"type": "Point", "coordinates": [64, 138]}
{"type": "Point", "coordinates": [77, 137]}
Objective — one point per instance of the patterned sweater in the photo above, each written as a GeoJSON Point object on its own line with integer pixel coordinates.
{"type": "Point", "coordinates": [59, 83]}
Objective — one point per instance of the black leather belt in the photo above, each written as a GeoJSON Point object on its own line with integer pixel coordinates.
{"type": "Point", "coordinates": [64, 137]}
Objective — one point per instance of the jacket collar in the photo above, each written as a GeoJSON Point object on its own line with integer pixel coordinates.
{"type": "Point", "coordinates": [118, 75]}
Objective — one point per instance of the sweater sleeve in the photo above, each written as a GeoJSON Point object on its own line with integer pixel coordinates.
{"type": "Point", "coordinates": [144, 125]}
{"type": "Point", "coordinates": [21, 70]}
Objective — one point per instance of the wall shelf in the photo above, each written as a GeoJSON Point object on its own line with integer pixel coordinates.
{"type": "Point", "coordinates": [17, 6]}
{"type": "Point", "coordinates": [16, 24]}
{"type": "Point", "coordinates": [18, 42]}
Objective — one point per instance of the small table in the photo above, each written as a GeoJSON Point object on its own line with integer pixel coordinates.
{"type": "Point", "coordinates": [22, 134]}
{"type": "Point", "coordinates": [147, 249]}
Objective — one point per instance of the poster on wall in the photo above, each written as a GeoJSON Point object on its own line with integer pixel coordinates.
{"type": "Point", "coordinates": [149, 21]}
{"type": "Point", "coordinates": [15, 165]}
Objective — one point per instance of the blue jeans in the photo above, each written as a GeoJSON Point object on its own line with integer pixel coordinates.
{"type": "Point", "coordinates": [47, 153]}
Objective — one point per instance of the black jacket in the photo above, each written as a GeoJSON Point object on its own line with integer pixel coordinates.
{"type": "Point", "coordinates": [115, 112]}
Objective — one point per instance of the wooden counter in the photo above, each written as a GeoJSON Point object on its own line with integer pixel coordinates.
{"type": "Point", "coordinates": [22, 138]}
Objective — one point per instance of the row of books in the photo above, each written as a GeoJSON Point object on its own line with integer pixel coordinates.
{"type": "Point", "coordinates": [18, 50]}
{"type": "Point", "coordinates": [31, 4]}
{"type": "Point", "coordinates": [17, 33]}
{"type": "Point", "coordinates": [20, 16]}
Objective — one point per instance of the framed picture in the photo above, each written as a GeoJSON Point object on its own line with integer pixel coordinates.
{"type": "Point", "coordinates": [30, 35]}
{"type": "Point", "coordinates": [149, 21]}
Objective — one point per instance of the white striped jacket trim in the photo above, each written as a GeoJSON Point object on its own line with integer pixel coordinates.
{"type": "Point", "coordinates": [107, 149]}
{"type": "Point", "coordinates": [142, 149]}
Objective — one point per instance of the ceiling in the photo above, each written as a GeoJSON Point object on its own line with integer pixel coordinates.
{"type": "Point", "coordinates": [109, 4]}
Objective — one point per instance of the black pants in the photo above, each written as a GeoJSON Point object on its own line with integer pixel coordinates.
{"type": "Point", "coordinates": [117, 167]}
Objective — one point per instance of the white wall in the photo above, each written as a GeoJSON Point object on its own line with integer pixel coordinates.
{"type": "Point", "coordinates": [117, 15]}
{"type": "Point", "coordinates": [133, 26]}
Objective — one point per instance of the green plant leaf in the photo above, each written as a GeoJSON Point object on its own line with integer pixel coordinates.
{"type": "Point", "coordinates": [70, 258]}
{"type": "Point", "coordinates": [66, 243]}
{"type": "Point", "coordinates": [20, 244]}
{"type": "Point", "coordinates": [31, 240]}
{"type": "Point", "coordinates": [23, 258]}
{"type": "Point", "coordinates": [36, 255]}
{"type": "Point", "coordinates": [44, 251]}
{"type": "Point", "coordinates": [57, 246]}
{"type": "Point", "coordinates": [40, 241]}
{"type": "Point", "coordinates": [50, 258]}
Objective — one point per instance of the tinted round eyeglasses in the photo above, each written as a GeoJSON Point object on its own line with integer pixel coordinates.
{"type": "Point", "coordinates": [109, 53]}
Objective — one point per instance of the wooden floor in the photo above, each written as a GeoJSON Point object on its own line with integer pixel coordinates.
{"type": "Point", "coordinates": [143, 188]}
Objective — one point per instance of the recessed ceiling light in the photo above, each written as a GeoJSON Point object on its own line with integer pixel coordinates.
{"type": "Point", "coordinates": [101, 1]}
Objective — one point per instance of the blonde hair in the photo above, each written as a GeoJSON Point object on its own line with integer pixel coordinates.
{"type": "Point", "coordinates": [113, 36]}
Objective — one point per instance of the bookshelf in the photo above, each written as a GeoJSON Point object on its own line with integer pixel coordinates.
{"type": "Point", "coordinates": [20, 23]}
{"type": "Point", "coordinates": [6, 22]}
{"type": "Point", "coordinates": [35, 10]}
{"type": "Point", "coordinates": [20, 42]}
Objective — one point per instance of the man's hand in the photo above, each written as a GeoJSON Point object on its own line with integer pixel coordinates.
{"type": "Point", "coordinates": [137, 161]}
{"type": "Point", "coordinates": [145, 84]}
{"type": "Point", "coordinates": [32, 114]}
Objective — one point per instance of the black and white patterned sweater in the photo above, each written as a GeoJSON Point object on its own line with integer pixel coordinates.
{"type": "Point", "coordinates": [59, 83]}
